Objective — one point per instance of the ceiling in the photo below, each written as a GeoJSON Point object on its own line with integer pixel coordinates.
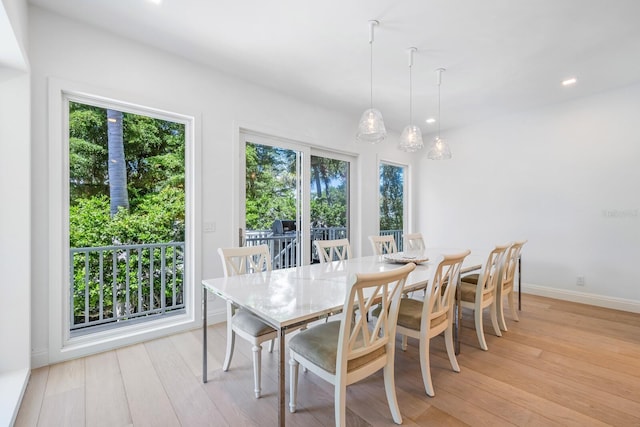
{"type": "Point", "coordinates": [501, 56]}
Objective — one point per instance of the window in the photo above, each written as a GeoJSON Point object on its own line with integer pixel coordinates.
{"type": "Point", "coordinates": [119, 275]}
{"type": "Point", "coordinates": [293, 194]}
{"type": "Point", "coordinates": [392, 201]}
{"type": "Point", "coordinates": [126, 217]}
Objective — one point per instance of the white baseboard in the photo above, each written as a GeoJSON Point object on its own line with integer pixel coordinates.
{"type": "Point", "coordinates": [582, 297]}
{"type": "Point", "coordinates": [39, 358]}
{"type": "Point", "coordinates": [216, 316]}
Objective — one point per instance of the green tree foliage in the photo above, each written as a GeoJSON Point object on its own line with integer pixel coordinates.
{"type": "Point", "coordinates": [329, 179]}
{"type": "Point", "coordinates": [154, 152]}
{"type": "Point", "coordinates": [158, 218]}
{"type": "Point", "coordinates": [271, 188]}
{"type": "Point", "coordinates": [87, 151]}
{"type": "Point", "coordinates": [270, 185]}
{"type": "Point", "coordinates": [391, 197]}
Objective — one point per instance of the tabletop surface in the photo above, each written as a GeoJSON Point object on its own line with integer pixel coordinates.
{"type": "Point", "coordinates": [289, 296]}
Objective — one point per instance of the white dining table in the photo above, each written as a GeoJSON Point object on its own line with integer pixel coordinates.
{"type": "Point", "coordinates": [289, 298]}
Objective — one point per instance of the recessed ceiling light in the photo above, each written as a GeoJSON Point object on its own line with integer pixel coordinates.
{"type": "Point", "coordinates": [430, 120]}
{"type": "Point", "coordinates": [569, 82]}
{"type": "Point", "coordinates": [155, 1]}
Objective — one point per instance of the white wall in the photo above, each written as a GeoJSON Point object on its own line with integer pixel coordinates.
{"type": "Point", "coordinates": [566, 178]}
{"type": "Point", "coordinates": [127, 71]}
{"type": "Point", "coordinates": [15, 242]}
{"type": "Point", "coordinates": [15, 227]}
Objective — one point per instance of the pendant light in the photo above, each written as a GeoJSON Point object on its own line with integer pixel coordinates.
{"type": "Point", "coordinates": [411, 138]}
{"type": "Point", "coordinates": [439, 149]}
{"type": "Point", "coordinates": [371, 127]}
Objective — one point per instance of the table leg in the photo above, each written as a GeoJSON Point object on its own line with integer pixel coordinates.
{"type": "Point", "coordinates": [457, 320]}
{"type": "Point", "coordinates": [281, 379]}
{"type": "Point", "coordinates": [519, 283]}
{"type": "Point", "coordinates": [204, 334]}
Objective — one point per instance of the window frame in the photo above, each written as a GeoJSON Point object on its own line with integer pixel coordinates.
{"type": "Point", "coordinates": [61, 345]}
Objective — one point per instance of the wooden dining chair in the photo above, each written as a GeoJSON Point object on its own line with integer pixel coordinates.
{"type": "Point", "coordinates": [507, 286]}
{"type": "Point", "coordinates": [251, 259]}
{"type": "Point", "coordinates": [426, 319]}
{"type": "Point", "coordinates": [413, 242]}
{"type": "Point", "coordinates": [347, 351]}
{"type": "Point", "coordinates": [382, 245]}
{"type": "Point", "coordinates": [333, 250]}
{"type": "Point", "coordinates": [478, 291]}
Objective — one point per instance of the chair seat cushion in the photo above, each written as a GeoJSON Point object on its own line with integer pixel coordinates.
{"type": "Point", "coordinates": [319, 344]}
{"type": "Point", "coordinates": [471, 278]}
{"type": "Point", "coordinates": [468, 291]}
{"type": "Point", "coordinates": [376, 311]}
{"type": "Point", "coordinates": [250, 324]}
{"type": "Point", "coordinates": [410, 314]}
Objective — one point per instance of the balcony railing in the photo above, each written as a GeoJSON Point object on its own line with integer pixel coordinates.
{"type": "Point", "coordinates": [397, 235]}
{"type": "Point", "coordinates": [114, 284]}
{"type": "Point", "coordinates": [117, 285]}
{"type": "Point", "coordinates": [283, 247]}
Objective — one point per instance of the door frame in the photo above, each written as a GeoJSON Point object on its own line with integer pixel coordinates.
{"type": "Point", "coordinates": [306, 150]}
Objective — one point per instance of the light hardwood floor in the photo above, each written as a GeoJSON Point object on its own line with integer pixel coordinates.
{"type": "Point", "coordinates": [563, 364]}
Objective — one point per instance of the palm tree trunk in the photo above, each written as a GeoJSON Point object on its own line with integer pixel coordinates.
{"type": "Point", "coordinates": [119, 197]}
{"type": "Point", "coordinates": [117, 166]}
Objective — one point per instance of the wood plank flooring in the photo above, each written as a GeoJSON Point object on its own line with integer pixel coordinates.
{"type": "Point", "coordinates": [563, 364]}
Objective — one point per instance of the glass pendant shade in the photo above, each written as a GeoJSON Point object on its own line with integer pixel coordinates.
{"type": "Point", "coordinates": [411, 139]}
{"type": "Point", "coordinates": [371, 127]}
{"type": "Point", "coordinates": [439, 150]}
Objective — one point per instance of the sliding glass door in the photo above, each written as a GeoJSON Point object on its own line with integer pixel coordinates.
{"type": "Point", "coordinates": [272, 202]}
{"type": "Point", "coordinates": [292, 194]}
{"type": "Point", "coordinates": [329, 191]}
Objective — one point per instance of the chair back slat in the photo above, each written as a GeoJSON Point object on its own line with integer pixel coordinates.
{"type": "Point", "coordinates": [511, 262]}
{"type": "Point", "coordinates": [333, 250]}
{"type": "Point", "coordinates": [413, 242]}
{"type": "Point", "coordinates": [442, 286]}
{"type": "Point", "coordinates": [249, 259]}
{"type": "Point", "coordinates": [356, 338]}
{"type": "Point", "coordinates": [383, 244]}
{"type": "Point", "coordinates": [493, 271]}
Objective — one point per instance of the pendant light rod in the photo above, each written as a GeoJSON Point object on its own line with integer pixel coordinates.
{"type": "Point", "coordinates": [439, 149]}
{"type": "Point", "coordinates": [371, 125]}
{"type": "Point", "coordinates": [411, 51]}
{"type": "Point", "coordinates": [411, 137]}
{"type": "Point", "coordinates": [372, 25]}
{"type": "Point", "coordinates": [439, 72]}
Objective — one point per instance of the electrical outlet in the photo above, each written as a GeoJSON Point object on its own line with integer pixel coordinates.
{"type": "Point", "coordinates": [209, 227]}
{"type": "Point", "coordinates": [580, 281]}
